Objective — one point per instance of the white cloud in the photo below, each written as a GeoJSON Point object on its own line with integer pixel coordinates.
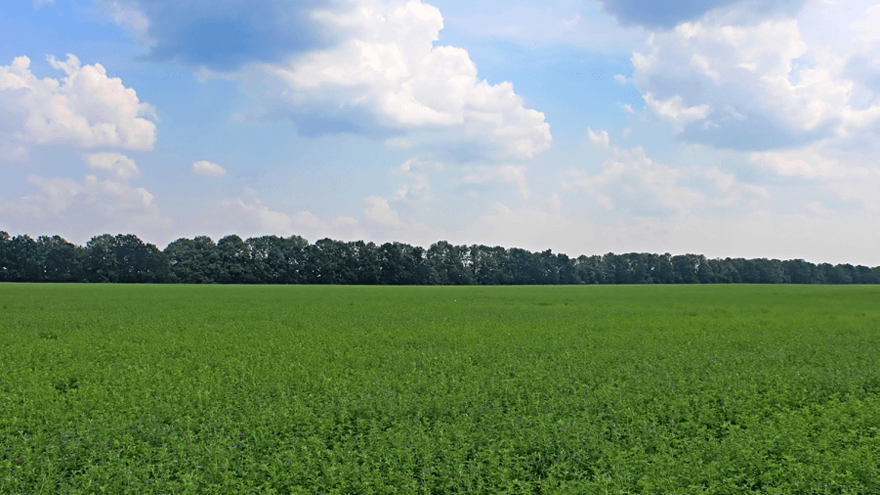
{"type": "Point", "coordinates": [824, 167]}
{"type": "Point", "coordinates": [204, 167]}
{"type": "Point", "coordinates": [418, 187]}
{"type": "Point", "coordinates": [813, 235]}
{"type": "Point", "coordinates": [128, 16]}
{"type": "Point", "coordinates": [86, 108]}
{"type": "Point", "coordinates": [255, 218]}
{"type": "Point", "coordinates": [381, 212]}
{"type": "Point", "coordinates": [752, 86]}
{"type": "Point", "coordinates": [12, 151]}
{"type": "Point", "coordinates": [620, 78]}
{"type": "Point", "coordinates": [633, 182]}
{"type": "Point", "coordinates": [117, 164]}
{"type": "Point", "coordinates": [62, 204]}
{"type": "Point", "coordinates": [673, 109]}
{"type": "Point", "coordinates": [511, 174]}
{"type": "Point", "coordinates": [599, 138]}
{"type": "Point", "coordinates": [388, 77]}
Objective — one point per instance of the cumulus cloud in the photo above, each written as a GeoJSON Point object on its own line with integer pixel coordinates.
{"type": "Point", "coordinates": [204, 167]}
{"type": "Point", "coordinates": [86, 108]}
{"type": "Point", "coordinates": [386, 79]}
{"type": "Point", "coordinates": [752, 86]}
{"type": "Point", "coordinates": [634, 183]}
{"type": "Point", "coordinates": [673, 109]}
{"type": "Point", "coordinates": [117, 164]}
{"type": "Point", "coordinates": [379, 211]}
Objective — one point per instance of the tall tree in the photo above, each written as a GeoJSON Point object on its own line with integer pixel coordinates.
{"type": "Point", "coordinates": [235, 261]}
{"type": "Point", "coordinates": [452, 264]}
{"type": "Point", "coordinates": [61, 260]}
{"type": "Point", "coordinates": [798, 271]}
{"type": "Point", "coordinates": [102, 265]}
{"type": "Point", "coordinates": [368, 267]}
{"type": "Point", "coordinates": [686, 268]}
{"type": "Point", "coordinates": [139, 262]}
{"type": "Point", "coordinates": [195, 261]}
{"type": "Point", "coordinates": [5, 253]}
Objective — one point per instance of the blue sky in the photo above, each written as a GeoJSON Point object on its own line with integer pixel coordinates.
{"type": "Point", "coordinates": [724, 127]}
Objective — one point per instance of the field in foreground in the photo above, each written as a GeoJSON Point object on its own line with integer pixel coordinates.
{"type": "Point", "coordinates": [582, 390]}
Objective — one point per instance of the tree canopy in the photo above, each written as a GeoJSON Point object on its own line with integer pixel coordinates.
{"type": "Point", "coordinates": [293, 260]}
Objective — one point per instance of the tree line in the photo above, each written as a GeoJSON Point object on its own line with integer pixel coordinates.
{"type": "Point", "coordinates": [293, 260]}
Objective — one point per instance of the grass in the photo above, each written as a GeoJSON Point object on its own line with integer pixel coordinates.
{"type": "Point", "coordinates": [305, 389]}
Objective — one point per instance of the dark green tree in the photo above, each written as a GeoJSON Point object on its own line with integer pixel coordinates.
{"type": "Point", "coordinates": [61, 260]}
{"type": "Point", "coordinates": [235, 263]}
{"type": "Point", "coordinates": [452, 264]}
{"type": "Point", "coordinates": [195, 261]}
{"type": "Point", "coordinates": [5, 252]}
{"type": "Point", "coordinates": [101, 264]}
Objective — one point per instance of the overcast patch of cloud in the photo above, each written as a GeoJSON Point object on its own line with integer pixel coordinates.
{"type": "Point", "coordinates": [579, 23]}
{"type": "Point", "coordinates": [222, 35]}
{"type": "Point", "coordinates": [385, 79]}
{"type": "Point", "coordinates": [668, 14]}
{"type": "Point", "coordinates": [86, 108]}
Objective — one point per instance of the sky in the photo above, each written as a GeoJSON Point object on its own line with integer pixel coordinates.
{"type": "Point", "coordinates": [730, 128]}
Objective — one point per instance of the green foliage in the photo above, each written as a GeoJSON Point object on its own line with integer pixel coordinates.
{"type": "Point", "coordinates": [270, 259]}
{"type": "Point", "coordinates": [321, 389]}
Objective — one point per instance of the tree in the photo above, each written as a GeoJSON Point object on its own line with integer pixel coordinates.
{"type": "Point", "coordinates": [686, 268]}
{"type": "Point", "coordinates": [565, 269]}
{"type": "Point", "coordinates": [5, 254]}
{"type": "Point", "coordinates": [195, 261]}
{"type": "Point", "coordinates": [798, 271]}
{"type": "Point", "coordinates": [368, 268]}
{"type": "Point", "coordinates": [331, 262]}
{"type": "Point", "coordinates": [452, 264]}
{"type": "Point", "coordinates": [61, 260]}
{"type": "Point", "coordinates": [588, 269]}
{"type": "Point", "coordinates": [139, 262]}
{"type": "Point", "coordinates": [489, 265]}
{"type": "Point", "coordinates": [234, 261]}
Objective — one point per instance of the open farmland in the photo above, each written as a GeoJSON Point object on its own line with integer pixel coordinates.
{"type": "Point", "coordinates": [322, 389]}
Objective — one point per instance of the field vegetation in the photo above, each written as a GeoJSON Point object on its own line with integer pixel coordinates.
{"type": "Point", "coordinates": [721, 389]}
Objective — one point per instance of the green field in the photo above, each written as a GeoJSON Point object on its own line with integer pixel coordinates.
{"type": "Point", "coordinates": [322, 389]}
